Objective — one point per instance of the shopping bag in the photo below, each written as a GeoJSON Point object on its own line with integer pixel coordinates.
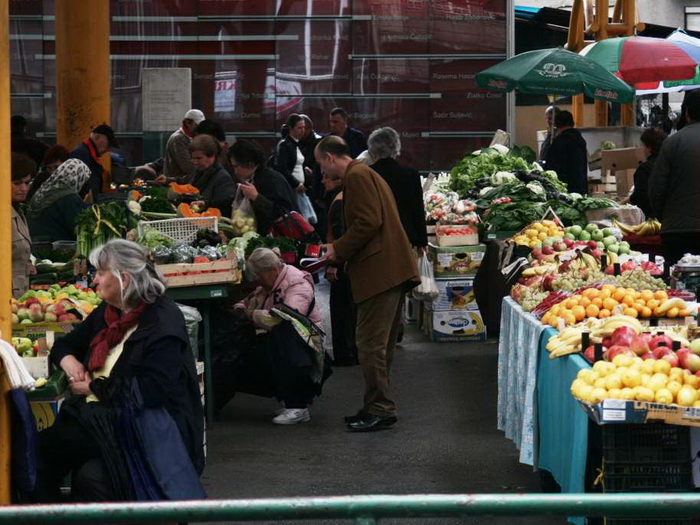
{"type": "Point", "coordinates": [242, 214]}
{"type": "Point", "coordinates": [427, 289]}
{"type": "Point", "coordinates": [306, 208]}
{"type": "Point", "coordinates": [294, 226]}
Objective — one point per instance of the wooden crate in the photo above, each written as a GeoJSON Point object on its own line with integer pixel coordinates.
{"type": "Point", "coordinates": [215, 272]}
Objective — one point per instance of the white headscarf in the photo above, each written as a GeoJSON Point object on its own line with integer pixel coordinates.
{"type": "Point", "coordinates": [69, 178]}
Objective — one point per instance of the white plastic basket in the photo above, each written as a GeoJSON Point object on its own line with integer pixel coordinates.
{"type": "Point", "coordinates": [182, 230]}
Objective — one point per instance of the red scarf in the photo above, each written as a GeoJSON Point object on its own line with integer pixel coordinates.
{"type": "Point", "coordinates": [93, 151]}
{"type": "Point", "coordinates": [112, 335]}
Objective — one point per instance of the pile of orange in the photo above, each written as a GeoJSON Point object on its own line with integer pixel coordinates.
{"type": "Point", "coordinates": [610, 300]}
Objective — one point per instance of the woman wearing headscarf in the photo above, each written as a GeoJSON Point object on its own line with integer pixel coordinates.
{"type": "Point", "coordinates": [133, 427]}
{"type": "Point", "coordinates": [23, 169]}
{"type": "Point", "coordinates": [53, 208]}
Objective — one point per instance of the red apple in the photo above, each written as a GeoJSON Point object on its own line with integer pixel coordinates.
{"type": "Point", "coordinates": [59, 310]}
{"type": "Point", "coordinates": [536, 254]}
{"type": "Point", "coordinates": [593, 245]}
{"type": "Point", "coordinates": [548, 282]}
{"type": "Point", "coordinates": [63, 318]}
{"type": "Point", "coordinates": [589, 354]}
{"type": "Point", "coordinates": [690, 361]}
{"type": "Point", "coordinates": [639, 344]}
{"type": "Point", "coordinates": [568, 242]}
{"type": "Point", "coordinates": [681, 353]}
{"type": "Point", "coordinates": [660, 340]}
{"type": "Point", "coordinates": [30, 301]}
{"type": "Point", "coordinates": [648, 355]}
{"type": "Point", "coordinates": [547, 250]}
{"type": "Point", "coordinates": [607, 342]}
{"type": "Point", "coordinates": [671, 358]}
{"type": "Point", "coordinates": [661, 351]}
{"type": "Point", "coordinates": [623, 336]}
{"type": "Point", "coordinates": [616, 350]}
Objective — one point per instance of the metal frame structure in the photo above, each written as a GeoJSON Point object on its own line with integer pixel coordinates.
{"type": "Point", "coordinates": [363, 510]}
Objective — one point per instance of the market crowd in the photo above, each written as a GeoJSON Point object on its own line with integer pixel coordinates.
{"type": "Point", "coordinates": [134, 417]}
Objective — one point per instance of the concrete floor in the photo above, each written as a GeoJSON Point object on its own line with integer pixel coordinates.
{"type": "Point", "coordinates": [446, 439]}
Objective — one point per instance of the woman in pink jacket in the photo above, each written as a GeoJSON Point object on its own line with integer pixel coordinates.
{"type": "Point", "coordinates": [291, 337]}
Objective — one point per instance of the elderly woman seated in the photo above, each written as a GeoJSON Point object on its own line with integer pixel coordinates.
{"type": "Point", "coordinates": [288, 350]}
{"type": "Point", "coordinates": [133, 426]}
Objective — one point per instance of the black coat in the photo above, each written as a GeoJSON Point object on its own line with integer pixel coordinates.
{"type": "Point", "coordinates": [569, 158]}
{"type": "Point", "coordinates": [674, 187]}
{"type": "Point", "coordinates": [356, 141]}
{"type": "Point", "coordinates": [158, 355]}
{"type": "Point", "coordinates": [286, 159]}
{"type": "Point", "coordinates": [217, 188]}
{"type": "Point", "coordinates": [640, 195]}
{"type": "Point", "coordinates": [275, 198]}
{"type": "Point", "coordinates": [408, 192]}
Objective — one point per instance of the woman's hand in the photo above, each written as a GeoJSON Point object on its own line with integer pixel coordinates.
{"type": "Point", "coordinates": [249, 191]}
{"type": "Point", "coordinates": [161, 180]}
{"type": "Point", "coordinates": [81, 388]}
{"type": "Point", "coordinates": [74, 369]}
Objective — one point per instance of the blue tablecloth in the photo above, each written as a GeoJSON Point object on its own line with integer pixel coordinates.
{"type": "Point", "coordinates": [562, 423]}
{"type": "Point", "coordinates": [517, 378]}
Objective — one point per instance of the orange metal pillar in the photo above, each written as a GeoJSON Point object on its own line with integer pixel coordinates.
{"type": "Point", "coordinates": [82, 69]}
{"type": "Point", "coordinates": [5, 244]}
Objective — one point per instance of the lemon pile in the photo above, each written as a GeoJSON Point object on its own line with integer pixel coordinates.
{"type": "Point", "coordinates": [632, 378]}
{"type": "Point", "coordinates": [538, 232]}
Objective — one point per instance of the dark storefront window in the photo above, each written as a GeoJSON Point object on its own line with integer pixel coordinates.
{"type": "Point", "coordinates": [409, 64]}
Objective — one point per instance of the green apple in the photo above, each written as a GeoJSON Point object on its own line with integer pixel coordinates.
{"type": "Point", "coordinates": [549, 241]}
{"type": "Point", "coordinates": [607, 231]}
{"type": "Point", "coordinates": [597, 235]}
{"type": "Point", "coordinates": [614, 248]}
{"type": "Point", "coordinates": [575, 230]}
{"type": "Point", "coordinates": [624, 247]}
{"type": "Point", "coordinates": [584, 236]}
{"type": "Point", "coordinates": [609, 240]}
{"type": "Point", "coordinates": [570, 236]}
{"type": "Point", "coordinates": [590, 228]}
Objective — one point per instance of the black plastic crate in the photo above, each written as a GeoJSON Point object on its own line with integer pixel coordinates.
{"type": "Point", "coordinates": [646, 458]}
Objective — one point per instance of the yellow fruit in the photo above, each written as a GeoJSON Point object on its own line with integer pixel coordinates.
{"type": "Point", "coordinates": [598, 395]}
{"type": "Point", "coordinates": [676, 374]}
{"type": "Point", "coordinates": [604, 313]}
{"type": "Point", "coordinates": [672, 312]}
{"type": "Point", "coordinates": [674, 387]}
{"type": "Point", "coordinates": [579, 313]}
{"type": "Point", "coordinates": [585, 392]}
{"type": "Point", "coordinates": [648, 366]}
{"type": "Point", "coordinates": [599, 383]}
{"type": "Point", "coordinates": [657, 382]}
{"type": "Point", "coordinates": [663, 395]}
{"type": "Point", "coordinates": [613, 382]}
{"type": "Point", "coordinates": [660, 295]}
{"type": "Point", "coordinates": [631, 378]}
{"type": "Point", "coordinates": [696, 404]}
{"type": "Point", "coordinates": [614, 393]}
{"type": "Point", "coordinates": [686, 396]}
{"type": "Point", "coordinates": [662, 366]}
{"type": "Point", "coordinates": [691, 380]}
{"type": "Point", "coordinates": [542, 236]}
{"type": "Point", "coordinates": [610, 303]}
{"type": "Point", "coordinates": [583, 374]}
{"type": "Point", "coordinates": [630, 312]}
{"type": "Point", "coordinates": [627, 394]}
{"type": "Point", "coordinates": [642, 393]}
{"type": "Point", "coordinates": [622, 360]}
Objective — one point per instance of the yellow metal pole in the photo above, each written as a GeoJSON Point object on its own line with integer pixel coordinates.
{"type": "Point", "coordinates": [82, 69]}
{"type": "Point", "coordinates": [5, 244]}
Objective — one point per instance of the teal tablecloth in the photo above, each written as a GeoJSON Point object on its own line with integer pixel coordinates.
{"type": "Point", "coordinates": [563, 425]}
{"type": "Point", "coordinates": [517, 378]}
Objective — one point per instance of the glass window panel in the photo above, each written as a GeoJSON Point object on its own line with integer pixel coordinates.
{"type": "Point", "coordinates": [394, 75]}
{"type": "Point", "coordinates": [446, 152]}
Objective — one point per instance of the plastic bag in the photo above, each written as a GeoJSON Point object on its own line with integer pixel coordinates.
{"type": "Point", "coordinates": [192, 320]}
{"type": "Point", "coordinates": [427, 290]}
{"type": "Point", "coordinates": [306, 208]}
{"type": "Point", "coordinates": [242, 216]}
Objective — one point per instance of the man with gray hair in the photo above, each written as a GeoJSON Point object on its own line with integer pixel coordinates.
{"type": "Point", "coordinates": [177, 161]}
{"type": "Point", "coordinates": [381, 268]}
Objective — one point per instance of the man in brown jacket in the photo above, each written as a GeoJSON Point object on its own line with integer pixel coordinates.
{"type": "Point", "coordinates": [381, 267]}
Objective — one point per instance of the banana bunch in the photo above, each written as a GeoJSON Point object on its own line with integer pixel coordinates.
{"type": "Point", "coordinates": [673, 302]}
{"type": "Point", "coordinates": [647, 228]}
{"type": "Point", "coordinates": [539, 270]}
{"type": "Point", "coordinates": [568, 341]}
{"type": "Point", "coordinates": [609, 325]}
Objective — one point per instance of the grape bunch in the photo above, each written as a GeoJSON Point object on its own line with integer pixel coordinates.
{"type": "Point", "coordinates": [531, 297]}
{"type": "Point", "coordinates": [570, 281]}
{"type": "Point", "coordinates": [639, 280]}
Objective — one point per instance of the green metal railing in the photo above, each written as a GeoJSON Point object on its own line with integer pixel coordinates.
{"type": "Point", "coordinates": [364, 510]}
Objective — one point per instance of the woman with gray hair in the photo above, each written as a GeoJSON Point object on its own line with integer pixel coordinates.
{"type": "Point", "coordinates": [291, 346]}
{"type": "Point", "coordinates": [133, 346]}
{"type": "Point", "coordinates": [384, 144]}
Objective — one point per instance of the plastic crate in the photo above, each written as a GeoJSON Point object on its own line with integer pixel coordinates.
{"type": "Point", "coordinates": [182, 230]}
{"type": "Point", "coordinates": [646, 458]}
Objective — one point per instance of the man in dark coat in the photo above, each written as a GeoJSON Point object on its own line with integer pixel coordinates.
{"type": "Point", "coordinates": [674, 186]}
{"type": "Point", "coordinates": [100, 141]}
{"type": "Point", "coordinates": [385, 145]}
{"type": "Point", "coordinates": [652, 139]}
{"type": "Point", "coordinates": [354, 138]}
{"type": "Point", "coordinates": [567, 155]}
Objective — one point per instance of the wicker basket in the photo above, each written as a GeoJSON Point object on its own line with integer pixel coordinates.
{"type": "Point", "coordinates": [181, 230]}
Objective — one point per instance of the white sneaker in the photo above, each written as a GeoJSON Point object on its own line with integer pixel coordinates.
{"type": "Point", "coordinates": [292, 416]}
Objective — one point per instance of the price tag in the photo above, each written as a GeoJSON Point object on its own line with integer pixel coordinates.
{"type": "Point", "coordinates": [216, 293]}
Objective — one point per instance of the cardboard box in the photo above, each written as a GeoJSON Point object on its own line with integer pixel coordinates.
{"type": "Point", "coordinates": [457, 326]}
{"type": "Point", "coordinates": [37, 366]}
{"type": "Point", "coordinates": [455, 294]}
{"type": "Point", "coordinates": [617, 411]}
{"type": "Point", "coordinates": [457, 261]}
{"type": "Point", "coordinates": [215, 272]}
